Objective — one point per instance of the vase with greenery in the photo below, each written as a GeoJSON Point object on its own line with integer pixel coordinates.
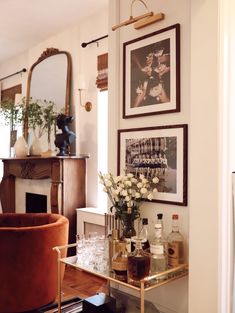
{"type": "Point", "coordinates": [40, 116]}
{"type": "Point", "coordinates": [50, 116]}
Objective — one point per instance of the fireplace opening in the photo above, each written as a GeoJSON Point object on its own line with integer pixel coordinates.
{"type": "Point", "coordinates": [35, 203]}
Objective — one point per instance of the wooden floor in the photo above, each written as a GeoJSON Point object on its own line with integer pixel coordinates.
{"type": "Point", "coordinates": [81, 284]}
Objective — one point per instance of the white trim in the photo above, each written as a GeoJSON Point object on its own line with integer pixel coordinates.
{"type": "Point", "coordinates": [89, 215]}
{"type": "Point", "coordinates": [226, 154]}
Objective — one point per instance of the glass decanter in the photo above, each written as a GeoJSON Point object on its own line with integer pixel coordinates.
{"type": "Point", "coordinates": [138, 264]}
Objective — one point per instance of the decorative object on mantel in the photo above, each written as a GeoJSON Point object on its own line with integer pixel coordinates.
{"type": "Point", "coordinates": [41, 117]}
{"type": "Point", "coordinates": [126, 192]}
{"type": "Point", "coordinates": [21, 148]}
{"type": "Point", "coordinates": [64, 139]}
{"type": "Point", "coordinates": [141, 20]}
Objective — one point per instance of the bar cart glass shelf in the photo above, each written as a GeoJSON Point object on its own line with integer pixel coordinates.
{"type": "Point", "coordinates": [146, 284]}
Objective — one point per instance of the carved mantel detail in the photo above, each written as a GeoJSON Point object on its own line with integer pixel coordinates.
{"type": "Point", "coordinates": [27, 170]}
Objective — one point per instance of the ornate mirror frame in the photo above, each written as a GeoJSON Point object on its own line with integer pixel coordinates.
{"type": "Point", "coordinates": [49, 52]}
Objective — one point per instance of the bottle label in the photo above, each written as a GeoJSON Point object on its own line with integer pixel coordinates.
{"type": "Point", "coordinates": [174, 254]}
{"type": "Point", "coordinates": [156, 249]}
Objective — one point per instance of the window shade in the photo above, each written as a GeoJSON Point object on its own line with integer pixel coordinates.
{"type": "Point", "coordinates": [102, 67]}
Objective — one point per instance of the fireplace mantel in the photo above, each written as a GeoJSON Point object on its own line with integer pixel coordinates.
{"type": "Point", "coordinates": [68, 182]}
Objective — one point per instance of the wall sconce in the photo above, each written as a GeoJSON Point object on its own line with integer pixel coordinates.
{"type": "Point", "coordinates": [87, 105]}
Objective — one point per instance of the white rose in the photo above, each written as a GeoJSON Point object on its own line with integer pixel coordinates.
{"type": "Point", "coordinates": [128, 183]}
{"type": "Point", "coordinates": [129, 175]}
{"type": "Point", "coordinates": [127, 198]}
{"type": "Point", "coordinates": [134, 180]}
{"type": "Point", "coordinates": [137, 195]}
{"type": "Point", "coordinates": [139, 185]}
{"type": "Point", "coordinates": [124, 193]}
{"type": "Point", "coordinates": [143, 191]}
{"type": "Point", "coordinates": [155, 190]}
{"type": "Point", "coordinates": [144, 181]}
{"type": "Point", "coordinates": [116, 192]}
{"type": "Point", "coordinates": [141, 176]}
{"type": "Point", "coordinates": [150, 196]}
{"type": "Point", "coordinates": [108, 183]}
{"type": "Point", "coordinates": [155, 180]}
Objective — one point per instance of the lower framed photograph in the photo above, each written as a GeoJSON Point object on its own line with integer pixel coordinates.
{"type": "Point", "coordinates": [161, 152]}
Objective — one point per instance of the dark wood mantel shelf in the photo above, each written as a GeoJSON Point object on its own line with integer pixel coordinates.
{"type": "Point", "coordinates": [68, 182]}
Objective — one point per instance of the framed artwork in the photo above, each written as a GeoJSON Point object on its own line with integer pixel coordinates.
{"type": "Point", "coordinates": [157, 151]}
{"type": "Point", "coordinates": [151, 73]}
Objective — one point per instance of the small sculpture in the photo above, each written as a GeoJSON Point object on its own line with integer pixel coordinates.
{"type": "Point", "coordinates": [64, 139]}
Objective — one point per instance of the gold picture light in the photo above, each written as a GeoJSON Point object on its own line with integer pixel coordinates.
{"type": "Point", "coordinates": [141, 20]}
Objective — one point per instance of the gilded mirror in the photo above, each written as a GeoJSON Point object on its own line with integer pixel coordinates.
{"type": "Point", "coordinates": [50, 78]}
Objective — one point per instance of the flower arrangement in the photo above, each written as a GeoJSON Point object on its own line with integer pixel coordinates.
{"type": "Point", "coordinates": [126, 192]}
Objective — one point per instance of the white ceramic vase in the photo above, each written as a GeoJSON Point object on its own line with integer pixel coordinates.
{"type": "Point", "coordinates": [36, 148]}
{"type": "Point", "coordinates": [20, 147]}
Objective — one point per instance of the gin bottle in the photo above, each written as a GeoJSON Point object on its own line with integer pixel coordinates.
{"type": "Point", "coordinates": [158, 251]}
{"type": "Point", "coordinates": [175, 242]}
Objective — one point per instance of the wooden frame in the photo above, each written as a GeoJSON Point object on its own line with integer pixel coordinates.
{"type": "Point", "coordinates": [157, 151]}
{"type": "Point", "coordinates": [151, 73]}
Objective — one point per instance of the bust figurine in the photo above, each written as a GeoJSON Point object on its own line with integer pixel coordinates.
{"type": "Point", "coordinates": [64, 139]}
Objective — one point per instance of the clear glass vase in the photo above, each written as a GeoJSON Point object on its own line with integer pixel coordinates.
{"type": "Point", "coordinates": [128, 229]}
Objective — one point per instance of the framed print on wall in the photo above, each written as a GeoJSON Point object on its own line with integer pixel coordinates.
{"type": "Point", "coordinates": [151, 73]}
{"type": "Point", "coordinates": [157, 151]}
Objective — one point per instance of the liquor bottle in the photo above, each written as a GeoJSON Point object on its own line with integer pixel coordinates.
{"type": "Point", "coordinates": [144, 235]}
{"type": "Point", "coordinates": [119, 262]}
{"type": "Point", "coordinates": [158, 249]}
{"type": "Point", "coordinates": [113, 244]}
{"type": "Point", "coordinates": [138, 264]}
{"type": "Point", "coordinates": [175, 242]}
{"type": "Point", "coordinates": [160, 221]}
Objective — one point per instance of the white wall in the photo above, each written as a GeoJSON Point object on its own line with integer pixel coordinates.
{"type": "Point", "coordinates": [199, 109]}
{"type": "Point", "coordinates": [174, 296]}
{"type": "Point", "coordinates": [84, 67]}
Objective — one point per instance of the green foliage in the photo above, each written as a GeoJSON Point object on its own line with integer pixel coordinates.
{"type": "Point", "coordinates": [40, 115]}
{"type": "Point", "coordinates": [49, 115]}
{"type": "Point", "coordinates": [11, 113]}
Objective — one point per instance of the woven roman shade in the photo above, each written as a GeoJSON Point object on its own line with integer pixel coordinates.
{"type": "Point", "coordinates": [102, 67]}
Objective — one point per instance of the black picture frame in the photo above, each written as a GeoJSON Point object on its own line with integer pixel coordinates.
{"type": "Point", "coordinates": [157, 151]}
{"type": "Point", "coordinates": [151, 73]}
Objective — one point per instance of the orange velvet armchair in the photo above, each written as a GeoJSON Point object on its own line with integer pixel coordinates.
{"type": "Point", "coordinates": [28, 265]}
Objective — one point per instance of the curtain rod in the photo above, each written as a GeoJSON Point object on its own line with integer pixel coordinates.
{"type": "Point", "coordinates": [23, 70]}
{"type": "Point", "coordinates": [84, 44]}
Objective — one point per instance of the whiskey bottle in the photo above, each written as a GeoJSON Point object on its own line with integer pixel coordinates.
{"type": "Point", "coordinates": [158, 251]}
{"type": "Point", "coordinates": [175, 242]}
{"type": "Point", "coordinates": [138, 264]}
{"type": "Point", "coordinates": [119, 262]}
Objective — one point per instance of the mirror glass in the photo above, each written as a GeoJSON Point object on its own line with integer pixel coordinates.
{"type": "Point", "coordinates": [49, 79]}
